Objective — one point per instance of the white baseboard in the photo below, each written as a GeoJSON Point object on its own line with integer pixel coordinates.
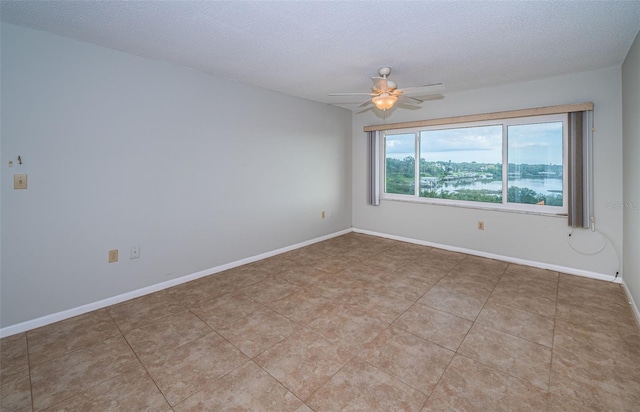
{"type": "Point", "coordinates": [634, 307]}
{"type": "Point", "coordinates": [69, 313]}
{"type": "Point", "coordinates": [541, 265]}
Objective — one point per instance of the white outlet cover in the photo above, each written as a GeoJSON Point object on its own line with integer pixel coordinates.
{"type": "Point", "coordinates": [135, 252]}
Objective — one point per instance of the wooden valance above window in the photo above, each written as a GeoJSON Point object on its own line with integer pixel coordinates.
{"type": "Point", "coordinates": [538, 111]}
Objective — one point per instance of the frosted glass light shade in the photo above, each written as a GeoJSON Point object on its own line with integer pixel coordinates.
{"type": "Point", "coordinates": [385, 101]}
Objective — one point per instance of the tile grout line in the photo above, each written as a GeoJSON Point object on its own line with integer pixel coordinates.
{"type": "Point", "coordinates": [26, 338]}
{"type": "Point", "coordinates": [553, 342]}
{"type": "Point", "coordinates": [140, 361]}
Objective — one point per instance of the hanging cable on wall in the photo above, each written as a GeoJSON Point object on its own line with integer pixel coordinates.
{"type": "Point", "coordinates": [588, 158]}
{"type": "Point", "coordinates": [605, 238]}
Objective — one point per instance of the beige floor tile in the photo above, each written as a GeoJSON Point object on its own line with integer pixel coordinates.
{"type": "Point", "coordinates": [591, 315]}
{"type": "Point", "coordinates": [532, 274]}
{"type": "Point", "coordinates": [591, 399]}
{"type": "Point", "coordinates": [14, 358]}
{"type": "Point", "coordinates": [584, 302]}
{"type": "Point", "coordinates": [434, 325]}
{"type": "Point", "coordinates": [269, 290]}
{"type": "Point", "coordinates": [599, 340]}
{"type": "Point", "coordinates": [337, 263]}
{"type": "Point", "coordinates": [440, 259]}
{"type": "Point", "coordinates": [583, 287]}
{"type": "Point", "coordinates": [569, 282]}
{"type": "Point", "coordinates": [360, 252]}
{"type": "Point", "coordinates": [273, 265]}
{"type": "Point", "coordinates": [131, 391]}
{"type": "Point", "coordinates": [200, 290]}
{"type": "Point", "coordinates": [138, 312]}
{"type": "Point", "coordinates": [378, 300]}
{"type": "Point", "coordinates": [356, 274]}
{"type": "Point", "coordinates": [303, 257]}
{"type": "Point", "coordinates": [478, 284]}
{"type": "Point", "coordinates": [356, 322]}
{"type": "Point", "coordinates": [57, 339]}
{"type": "Point", "coordinates": [582, 380]}
{"type": "Point", "coordinates": [406, 253]}
{"type": "Point", "coordinates": [324, 249]}
{"type": "Point", "coordinates": [240, 277]}
{"type": "Point", "coordinates": [361, 387]}
{"type": "Point", "coordinates": [480, 267]}
{"type": "Point", "coordinates": [303, 306]}
{"type": "Point", "coordinates": [219, 311]}
{"type": "Point", "coordinates": [194, 365]}
{"type": "Point", "coordinates": [468, 385]}
{"type": "Point", "coordinates": [154, 339]}
{"type": "Point", "coordinates": [303, 362]}
{"type": "Point", "coordinates": [334, 286]}
{"type": "Point", "coordinates": [539, 298]}
{"type": "Point", "coordinates": [469, 284]}
{"type": "Point", "coordinates": [520, 323]}
{"type": "Point", "coordinates": [403, 285]}
{"type": "Point", "coordinates": [301, 275]}
{"type": "Point", "coordinates": [15, 395]}
{"type": "Point", "coordinates": [348, 325]}
{"type": "Point", "coordinates": [422, 272]}
{"type": "Point", "coordinates": [579, 293]}
{"type": "Point", "coordinates": [72, 374]}
{"type": "Point", "coordinates": [383, 263]}
{"type": "Point", "coordinates": [509, 354]}
{"type": "Point", "coordinates": [407, 357]}
{"type": "Point", "coordinates": [247, 388]}
{"type": "Point", "coordinates": [455, 302]}
{"type": "Point", "coordinates": [258, 331]}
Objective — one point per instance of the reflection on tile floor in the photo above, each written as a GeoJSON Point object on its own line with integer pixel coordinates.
{"type": "Point", "coordinates": [352, 323]}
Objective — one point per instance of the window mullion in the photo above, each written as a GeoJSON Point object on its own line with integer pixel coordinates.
{"type": "Point", "coordinates": [417, 165]}
{"type": "Point", "coordinates": [505, 164]}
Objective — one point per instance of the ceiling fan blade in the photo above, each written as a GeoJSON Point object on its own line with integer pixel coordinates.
{"type": "Point", "coordinates": [408, 106]}
{"type": "Point", "coordinates": [365, 104]}
{"type": "Point", "coordinates": [408, 100]}
{"type": "Point", "coordinates": [380, 83]}
{"type": "Point", "coordinates": [426, 89]}
{"type": "Point", "coordinates": [365, 109]}
{"type": "Point", "coordinates": [424, 98]}
{"type": "Point", "coordinates": [352, 94]}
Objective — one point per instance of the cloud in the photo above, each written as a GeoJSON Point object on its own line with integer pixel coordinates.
{"type": "Point", "coordinates": [464, 139]}
{"type": "Point", "coordinates": [538, 143]}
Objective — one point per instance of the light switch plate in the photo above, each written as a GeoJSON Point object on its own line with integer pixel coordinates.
{"type": "Point", "coordinates": [20, 181]}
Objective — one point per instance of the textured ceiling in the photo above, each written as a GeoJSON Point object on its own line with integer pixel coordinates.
{"type": "Point", "coordinates": [311, 48]}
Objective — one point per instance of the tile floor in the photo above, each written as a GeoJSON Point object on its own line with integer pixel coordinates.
{"type": "Point", "coordinates": [352, 323]}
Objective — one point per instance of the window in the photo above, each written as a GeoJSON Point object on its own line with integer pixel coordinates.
{"type": "Point", "coordinates": [516, 164]}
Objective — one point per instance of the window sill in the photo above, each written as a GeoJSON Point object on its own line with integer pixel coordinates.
{"type": "Point", "coordinates": [472, 205]}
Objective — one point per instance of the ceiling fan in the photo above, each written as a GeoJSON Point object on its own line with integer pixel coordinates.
{"type": "Point", "coordinates": [386, 94]}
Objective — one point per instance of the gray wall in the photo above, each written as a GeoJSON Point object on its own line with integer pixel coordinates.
{"type": "Point", "coordinates": [534, 238]}
{"type": "Point", "coordinates": [631, 160]}
{"type": "Point", "coordinates": [121, 151]}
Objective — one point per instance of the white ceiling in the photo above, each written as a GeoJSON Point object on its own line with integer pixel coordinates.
{"type": "Point", "coordinates": [311, 48]}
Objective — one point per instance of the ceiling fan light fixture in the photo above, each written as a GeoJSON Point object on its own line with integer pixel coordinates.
{"type": "Point", "coordinates": [385, 101]}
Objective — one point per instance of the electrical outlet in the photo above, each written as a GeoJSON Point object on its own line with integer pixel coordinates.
{"type": "Point", "coordinates": [113, 255]}
{"type": "Point", "coordinates": [480, 225]}
{"type": "Point", "coordinates": [20, 181]}
{"type": "Point", "coordinates": [134, 252]}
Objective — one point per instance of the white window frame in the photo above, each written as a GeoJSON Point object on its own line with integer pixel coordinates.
{"type": "Point", "coordinates": [504, 206]}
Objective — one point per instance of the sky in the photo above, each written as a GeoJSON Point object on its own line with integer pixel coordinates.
{"type": "Point", "coordinates": [530, 143]}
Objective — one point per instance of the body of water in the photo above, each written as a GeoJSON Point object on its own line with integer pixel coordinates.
{"type": "Point", "coordinates": [542, 185]}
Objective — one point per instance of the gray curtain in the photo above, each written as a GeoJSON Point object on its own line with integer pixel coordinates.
{"type": "Point", "coordinates": [373, 168]}
{"type": "Point", "coordinates": [580, 192]}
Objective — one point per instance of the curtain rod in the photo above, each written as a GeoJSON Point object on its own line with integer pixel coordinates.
{"type": "Point", "coordinates": [538, 111]}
